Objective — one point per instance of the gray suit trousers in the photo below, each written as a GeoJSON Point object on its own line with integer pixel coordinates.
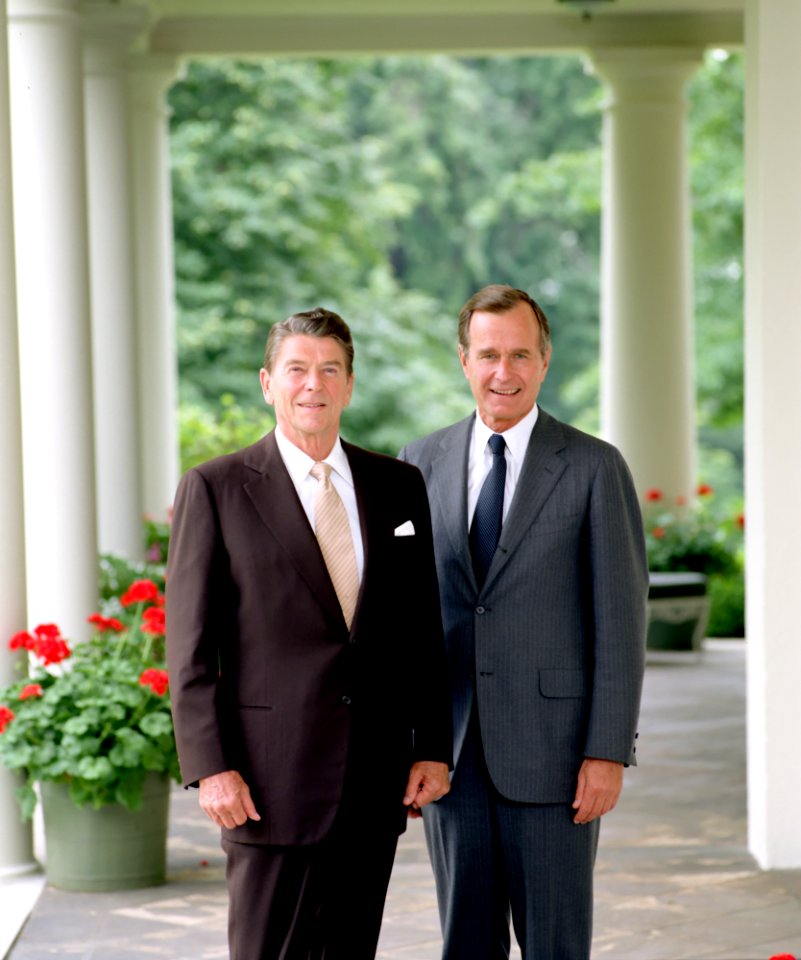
{"type": "Point", "coordinates": [490, 854]}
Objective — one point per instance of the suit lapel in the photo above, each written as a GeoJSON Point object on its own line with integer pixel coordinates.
{"type": "Point", "coordinates": [273, 495]}
{"type": "Point", "coordinates": [364, 503]}
{"type": "Point", "coordinates": [542, 468]}
{"type": "Point", "coordinates": [449, 488]}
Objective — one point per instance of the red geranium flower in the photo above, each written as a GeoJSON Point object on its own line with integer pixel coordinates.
{"type": "Point", "coordinates": [782, 956]}
{"type": "Point", "coordinates": [154, 621]}
{"type": "Point", "coordinates": [53, 651]}
{"type": "Point", "coordinates": [653, 494]}
{"type": "Point", "coordinates": [6, 716]}
{"type": "Point", "coordinates": [106, 623]}
{"type": "Point", "coordinates": [156, 680]}
{"type": "Point", "coordinates": [22, 641]}
{"type": "Point", "coordinates": [658, 532]}
{"type": "Point", "coordinates": [45, 642]}
{"type": "Point", "coordinates": [740, 520]}
{"type": "Point", "coordinates": [704, 490]}
{"type": "Point", "coordinates": [140, 591]}
{"type": "Point", "coordinates": [31, 690]}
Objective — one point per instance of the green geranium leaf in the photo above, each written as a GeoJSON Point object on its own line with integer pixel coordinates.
{"type": "Point", "coordinates": [95, 768]}
{"type": "Point", "coordinates": [129, 748]}
{"type": "Point", "coordinates": [129, 789]}
{"type": "Point", "coordinates": [156, 724]}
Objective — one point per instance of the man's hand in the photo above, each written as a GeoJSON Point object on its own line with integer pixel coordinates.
{"type": "Point", "coordinates": [598, 789]}
{"type": "Point", "coordinates": [225, 799]}
{"type": "Point", "coordinates": [428, 780]}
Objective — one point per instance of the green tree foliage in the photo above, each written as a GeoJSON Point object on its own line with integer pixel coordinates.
{"type": "Point", "coordinates": [502, 158]}
{"type": "Point", "coordinates": [716, 127]}
{"type": "Point", "coordinates": [390, 189]}
{"type": "Point", "coordinates": [279, 207]}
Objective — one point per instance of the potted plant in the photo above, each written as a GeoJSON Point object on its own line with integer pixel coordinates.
{"type": "Point", "coordinates": [90, 724]}
{"type": "Point", "coordinates": [692, 546]}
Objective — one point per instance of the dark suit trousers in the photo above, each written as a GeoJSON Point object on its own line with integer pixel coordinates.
{"type": "Point", "coordinates": [321, 902]}
{"type": "Point", "coordinates": [492, 856]}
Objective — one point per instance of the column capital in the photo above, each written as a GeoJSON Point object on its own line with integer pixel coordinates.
{"type": "Point", "coordinates": [21, 10]}
{"type": "Point", "coordinates": [646, 74]}
{"type": "Point", "coordinates": [109, 32]}
{"type": "Point", "coordinates": [152, 74]}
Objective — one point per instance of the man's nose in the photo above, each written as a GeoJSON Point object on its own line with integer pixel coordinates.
{"type": "Point", "coordinates": [312, 380]}
{"type": "Point", "coordinates": [502, 369]}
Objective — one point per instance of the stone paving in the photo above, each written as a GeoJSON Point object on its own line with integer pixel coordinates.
{"type": "Point", "coordinates": [674, 880]}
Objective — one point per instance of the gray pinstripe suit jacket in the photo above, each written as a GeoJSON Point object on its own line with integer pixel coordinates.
{"type": "Point", "coordinates": [552, 647]}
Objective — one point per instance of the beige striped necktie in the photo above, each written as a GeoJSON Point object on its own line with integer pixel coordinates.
{"type": "Point", "coordinates": [332, 529]}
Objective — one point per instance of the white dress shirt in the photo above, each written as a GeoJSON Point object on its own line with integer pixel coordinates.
{"type": "Point", "coordinates": [479, 459]}
{"type": "Point", "coordinates": [299, 464]}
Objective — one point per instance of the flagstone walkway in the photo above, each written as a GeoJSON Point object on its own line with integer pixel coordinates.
{"type": "Point", "coordinates": [674, 880]}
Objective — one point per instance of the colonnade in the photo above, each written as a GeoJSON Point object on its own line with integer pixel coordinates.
{"type": "Point", "coordinates": [87, 348]}
{"type": "Point", "coordinates": [87, 343]}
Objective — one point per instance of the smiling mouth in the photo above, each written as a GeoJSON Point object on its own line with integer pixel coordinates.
{"type": "Point", "coordinates": [505, 393]}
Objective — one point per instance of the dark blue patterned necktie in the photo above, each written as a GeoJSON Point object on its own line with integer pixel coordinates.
{"type": "Point", "coordinates": [486, 529]}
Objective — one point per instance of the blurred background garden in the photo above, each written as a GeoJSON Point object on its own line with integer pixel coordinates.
{"type": "Point", "coordinates": [390, 189]}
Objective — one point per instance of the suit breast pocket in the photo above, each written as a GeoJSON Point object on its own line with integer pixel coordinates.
{"type": "Point", "coordinates": [551, 522]}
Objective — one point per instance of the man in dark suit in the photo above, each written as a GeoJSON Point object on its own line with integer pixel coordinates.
{"type": "Point", "coordinates": [543, 583]}
{"type": "Point", "coordinates": [307, 669]}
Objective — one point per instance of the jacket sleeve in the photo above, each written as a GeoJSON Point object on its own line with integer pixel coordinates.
{"type": "Point", "coordinates": [619, 583]}
{"type": "Point", "coordinates": [196, 603]}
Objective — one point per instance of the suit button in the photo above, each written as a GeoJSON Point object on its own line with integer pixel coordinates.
{"type": "Point", "coordinates": [347, 701]}
{"type": "Point", "coordinates": [480, 610]}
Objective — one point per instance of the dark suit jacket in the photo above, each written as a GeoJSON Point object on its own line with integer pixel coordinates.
{"type": "Point", "coordinates": [552, 647]}
{"type": "Point", "coordinates": [265, 677]}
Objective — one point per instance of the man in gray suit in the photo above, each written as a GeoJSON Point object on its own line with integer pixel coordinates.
{"type": "Point", "coordinates": [543, 582]}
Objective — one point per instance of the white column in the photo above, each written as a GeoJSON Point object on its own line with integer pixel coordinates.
{"type": "Point", "coordinates": [772, 440]}
{"type": "Point", "coordinates": [53, 294]}
{"type": "Point", "coordinates": [158, 372]}
{"type": "Point", "coordinates": [16, 845]}
{"type": "Point", "coordinates": [109, 32]}
{"type": "Point", "coordinates": [647, 390]}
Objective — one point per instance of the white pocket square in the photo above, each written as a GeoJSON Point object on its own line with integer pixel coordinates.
{"type": "Point", "coordinates": [405, 529]}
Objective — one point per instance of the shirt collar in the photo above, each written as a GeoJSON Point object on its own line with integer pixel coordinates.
{"type": "Point", "coordinates": [516, 437]}
{"type": "Point", "coordinates": [299, 463]}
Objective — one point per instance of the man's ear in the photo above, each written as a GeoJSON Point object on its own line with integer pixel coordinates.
{"type": "Point", "coordinates": [264, 380]}
{"type": "Point", "coordinates": [547, 363]}
{"type": "Point", "coordinates": [463, 360]}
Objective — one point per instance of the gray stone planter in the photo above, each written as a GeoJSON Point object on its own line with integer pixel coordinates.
{"type": "Point", "coordinates": [678, 611]}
